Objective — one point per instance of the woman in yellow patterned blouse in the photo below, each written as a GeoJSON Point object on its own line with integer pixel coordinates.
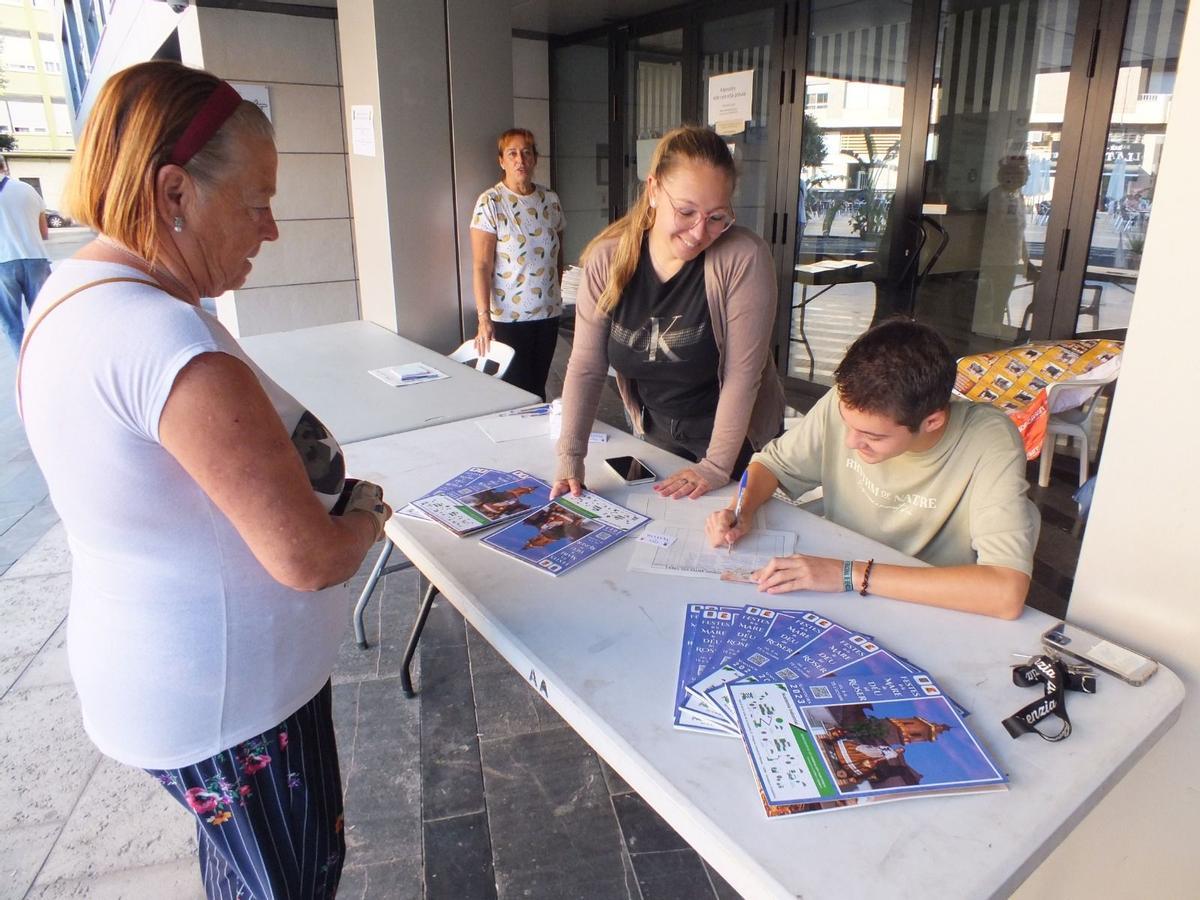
{"type": "Point", "coordinates": [515, 243]}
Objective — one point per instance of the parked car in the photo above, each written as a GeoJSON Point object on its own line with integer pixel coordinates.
{"type": "Point", "coordinates": [55, 219]}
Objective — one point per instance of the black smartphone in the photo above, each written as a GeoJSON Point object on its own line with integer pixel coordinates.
{"type": "Point", "coordinates": [630, 469]}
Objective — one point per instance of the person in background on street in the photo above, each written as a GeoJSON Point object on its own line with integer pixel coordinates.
{"type": "Point", "coordinates": [23, 263]}
{"type": "Point", "coordinates": [900, 463]}
{"type": "Point", "coordinates": [211, 525]}
{"type": "Point", "coordinates": [516, 245]}
{"type": "Point", "coordinates": [681, 302]}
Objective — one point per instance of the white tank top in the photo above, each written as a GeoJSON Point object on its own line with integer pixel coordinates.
{"type": "Point", "coordinates": [180, 643]}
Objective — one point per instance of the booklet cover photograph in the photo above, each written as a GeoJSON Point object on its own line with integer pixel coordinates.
{"type": "Point", "coordinates": [565, 533]}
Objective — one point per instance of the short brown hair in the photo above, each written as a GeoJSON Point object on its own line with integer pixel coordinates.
{"type": "Point", "coordinates": [901, 369]}
{"type": "Point", "coordinates": [138, 116]}
{"type": "Point", "coordinates": [516, 132]}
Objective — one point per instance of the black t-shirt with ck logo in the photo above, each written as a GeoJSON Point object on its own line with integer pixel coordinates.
{"type": "Point", "coordinates": [662, 340]}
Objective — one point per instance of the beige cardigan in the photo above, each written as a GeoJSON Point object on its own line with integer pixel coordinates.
{"type": "Point", "coordinates": [739, 281]}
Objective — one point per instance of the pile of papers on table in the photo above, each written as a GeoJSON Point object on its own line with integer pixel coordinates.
{"type": "Point", "coordinates": [570, 284]}
{"type": "Point", "coordinates": [554, 536]}
{"type": "Point", "coordinates": [828, 716]}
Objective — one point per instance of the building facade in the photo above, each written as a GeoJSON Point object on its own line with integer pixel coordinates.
{"type": "Point", "coordinates": [34, 110]}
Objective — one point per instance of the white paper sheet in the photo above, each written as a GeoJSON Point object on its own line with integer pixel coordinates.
{"type": "Point", "coordinates": [408, 374]}
{"type": "Point", "coordinates": [690, 555]}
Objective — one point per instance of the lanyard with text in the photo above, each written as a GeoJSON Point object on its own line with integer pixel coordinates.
{"type": "Point", "coordinates": [1056, 680]}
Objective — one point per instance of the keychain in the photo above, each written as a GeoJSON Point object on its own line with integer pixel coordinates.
{"type": "Point", "coordinates": [1056, 678]}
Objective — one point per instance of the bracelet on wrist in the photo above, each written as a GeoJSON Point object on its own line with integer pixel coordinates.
{"type": "Point", "coordinates": [847, 574]}
{"type": "Point", "coordinates": [866, 577]}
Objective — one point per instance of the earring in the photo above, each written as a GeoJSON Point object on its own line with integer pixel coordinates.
{"type": "Point", "coordinates": [177, 224]}
{"type": "Point", "coordinates": [653, 204]}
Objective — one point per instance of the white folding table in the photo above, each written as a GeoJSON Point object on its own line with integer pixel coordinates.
{"type": "Point", "coordinates": [325, 368]}
{"type": "Point", "coordinates": [602, 645]}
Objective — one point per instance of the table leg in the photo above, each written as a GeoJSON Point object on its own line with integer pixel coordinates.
{"type": "Point", "coordinates": [411, 650]}
{"type": "Point", "coordinates": [364, 598]}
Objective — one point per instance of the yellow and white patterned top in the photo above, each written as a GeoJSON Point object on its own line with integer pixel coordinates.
{"type": "Point", "coordinates": [525, 277]}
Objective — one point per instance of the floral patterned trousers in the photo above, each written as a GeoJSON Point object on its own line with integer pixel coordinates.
{"type": "Point", "coordinates": [269, 810]}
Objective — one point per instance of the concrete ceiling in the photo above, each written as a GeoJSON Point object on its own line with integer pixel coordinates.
{"type": "Point", "coordinates": [557, 16]}
{"type": "Point", "coordinates": [569, 16]}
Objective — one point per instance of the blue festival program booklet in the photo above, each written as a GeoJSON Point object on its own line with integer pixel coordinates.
{"type": "Point", "coordinates": [791, 631]}
{"type": "Point", "coordinates": [859, 737]}
{"type": "Point", "coordinates": [465, 510]}
{"type": "Point", "coordinates": [704, 631]}
{"type": "Point", "coordinates": [566, 532]}
{"type": "Point", "coordinates": [477, 477]}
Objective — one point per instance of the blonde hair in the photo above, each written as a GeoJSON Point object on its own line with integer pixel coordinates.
{"type": "Point", "coordinates": [689, 143]}
{"type": "Point", "coordinates": [134, 124]}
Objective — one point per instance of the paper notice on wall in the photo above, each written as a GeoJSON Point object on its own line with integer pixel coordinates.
{"type": "Point", "coordinates": [258, 94]}
{"type": "Point", "coordinates": [731, 100]}
{"type": "Point", "coordinates": [362, 130]}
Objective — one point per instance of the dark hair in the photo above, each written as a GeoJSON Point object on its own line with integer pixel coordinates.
{"type": "Point", "coordinates": [513, 133]}
{"type": "Point", "coordinates": [899, 368]}
{"type": "Point", "coordinates": [686, 144]}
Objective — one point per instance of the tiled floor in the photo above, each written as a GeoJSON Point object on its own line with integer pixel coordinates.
{"type": "Point", "coordinates": [475, 789]}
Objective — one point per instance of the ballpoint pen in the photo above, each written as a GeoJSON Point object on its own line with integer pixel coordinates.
{"type": "Point", "coordinates": [737, 510]}
{"type": "Point", "coordinates": [418, 376]}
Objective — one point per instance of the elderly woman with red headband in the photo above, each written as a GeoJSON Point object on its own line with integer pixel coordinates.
{"type": "Point", "coordinates": [211, 525]}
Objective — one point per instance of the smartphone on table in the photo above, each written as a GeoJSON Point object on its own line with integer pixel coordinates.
{"type": "Point", "coordinates": [1077, 643]}
{"type": "Point", "coordinates": [630, 469]}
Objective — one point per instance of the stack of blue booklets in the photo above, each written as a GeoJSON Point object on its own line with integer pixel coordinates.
{"type": "Point", "coordinates": [828, 716]}
{"type": "Point", "coordinates": [553, 536]}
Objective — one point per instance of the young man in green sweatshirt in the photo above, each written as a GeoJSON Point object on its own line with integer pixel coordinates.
{"type": "Point", "coordinates": [902, 464]}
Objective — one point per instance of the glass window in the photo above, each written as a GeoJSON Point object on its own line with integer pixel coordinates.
{"type": "Point", "coordinates": [28, 116]}
{"type": "Point", "coordinates": [50, 56]}
{"type": "Point", "coordinates": [62, 119]}
{"type": "Point", "coordinates": [18, 53]}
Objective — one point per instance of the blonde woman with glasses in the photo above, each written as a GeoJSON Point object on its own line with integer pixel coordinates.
{"type": "Point", "coordinates": [680, 301]}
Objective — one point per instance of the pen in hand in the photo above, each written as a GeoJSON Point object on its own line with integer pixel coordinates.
{"type": "Point", "coordinates": [737, 511]}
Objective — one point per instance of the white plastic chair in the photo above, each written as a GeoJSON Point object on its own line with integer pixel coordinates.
{"type": "Point", "coordinates": [1074, 423]}
{"type": "Point", "coordinates": [500, 355]}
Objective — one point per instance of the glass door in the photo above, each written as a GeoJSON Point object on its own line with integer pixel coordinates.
{"type": "Point", "coordinates": [1119, 205]}
{"type": "Point", "coordinates": [653, 101]}
{"type": "Point", "coordinates": [737, 70]}
{"type": "Point", "coordinates": [1001, 86]}
{"type": "Point", "coordinates": [849, 160]}
{"type": "Point", "coordinates": [580, 128]}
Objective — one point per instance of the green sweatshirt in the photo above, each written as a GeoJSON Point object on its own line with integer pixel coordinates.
{"type": "Point", "coordinates": [962, 501]}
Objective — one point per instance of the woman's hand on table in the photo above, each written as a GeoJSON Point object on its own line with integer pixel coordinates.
{"type": "Point", "coordinates": [684, 483]}
{"type": "Point", "coordinates": [800, 573]}
{"type": "Point", "coordinates": [721, 530]}
{"type": "Point", "coordinates": [484, 335]}
{"type": "Point", "coordinates": [572, 486]}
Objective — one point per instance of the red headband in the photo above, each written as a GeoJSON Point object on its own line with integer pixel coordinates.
{"type": "Point", "coordinates": [208, 118]}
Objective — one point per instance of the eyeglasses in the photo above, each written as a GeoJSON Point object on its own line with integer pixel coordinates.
{"type": "Point", "coordinates": [686, 217]}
